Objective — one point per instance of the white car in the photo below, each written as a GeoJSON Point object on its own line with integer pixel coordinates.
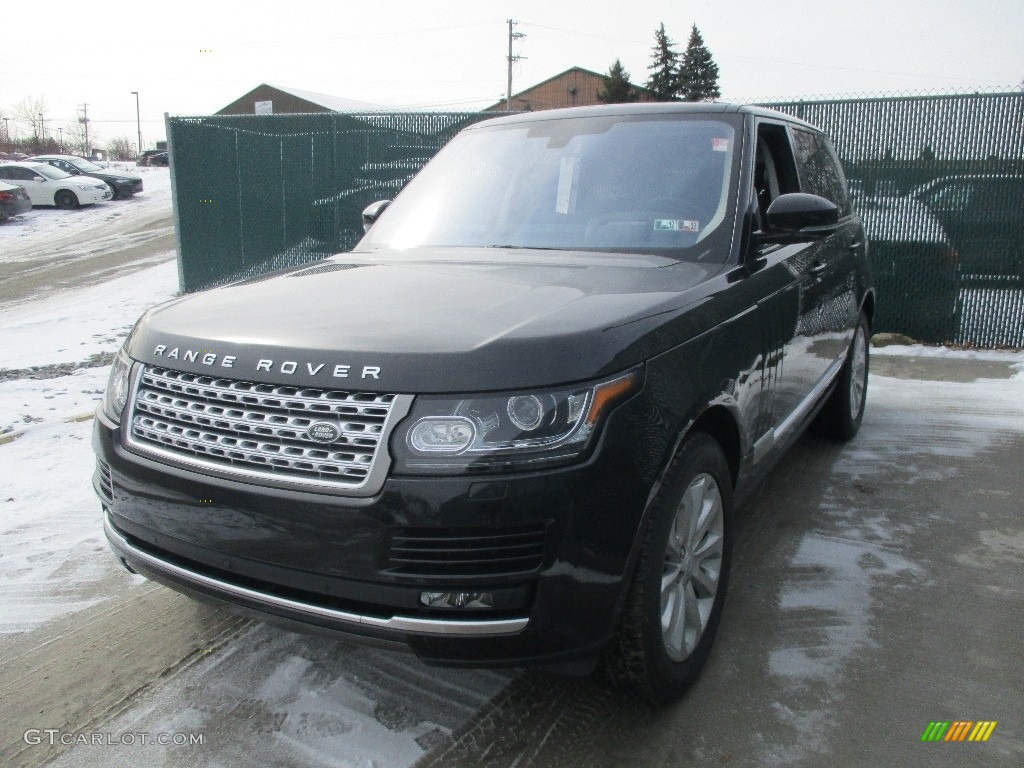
{"type": "Point", "coordinates": [47, 185]}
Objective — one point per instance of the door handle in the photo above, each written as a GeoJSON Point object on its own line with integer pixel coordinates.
{"type": "Point", "coordinates": [817, 268]}
{"type": "Point", "coordinates": [855, 245]}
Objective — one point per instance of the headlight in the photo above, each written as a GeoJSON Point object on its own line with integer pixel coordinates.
{"type": "Point", "coordinates": [116, 395]}
{"type": "Point", "coordinates": [516, 430]}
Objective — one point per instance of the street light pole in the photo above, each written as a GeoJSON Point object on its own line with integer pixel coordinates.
{"type": "Point", "coordinates": [60, 133]}
{"type": "Point", "coordinates": [138, 123]}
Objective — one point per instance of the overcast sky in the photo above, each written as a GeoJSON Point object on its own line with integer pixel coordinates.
{"type": "Point", "coordinates": [192, 58]}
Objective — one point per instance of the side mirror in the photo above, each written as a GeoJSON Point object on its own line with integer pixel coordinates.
{"type": "Point", "coordinates": [38, 178]}
{"type": "Point", "coordinates": [799, 216]}
{"type": "Point", "coordinates": [372, 212]}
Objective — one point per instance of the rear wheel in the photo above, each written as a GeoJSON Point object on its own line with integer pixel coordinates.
{"type": "Point", "coordinates": [843, 412]}
{"type": "Point", "coordinates": [675, 601]}
{"type": "Point", "coordinates": [65, 200]}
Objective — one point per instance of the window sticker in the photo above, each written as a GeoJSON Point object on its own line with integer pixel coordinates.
{"type": "Point", "coordinates": [568, 181]}
{"type": "Point", "coordinates": [720, 145]}
{"type": "Point", "coordinates": [676, 225]}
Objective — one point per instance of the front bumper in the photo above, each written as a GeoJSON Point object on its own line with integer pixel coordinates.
{"type": "Point", "coordinates": [555, 550]}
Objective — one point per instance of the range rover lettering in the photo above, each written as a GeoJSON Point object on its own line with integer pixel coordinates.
{"type": "Point", "coordinates": [513, 425]}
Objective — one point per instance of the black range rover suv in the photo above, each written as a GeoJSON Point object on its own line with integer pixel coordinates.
{"type": "Point", "coordinates": [513, 425]}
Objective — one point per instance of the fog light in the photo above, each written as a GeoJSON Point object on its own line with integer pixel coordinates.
{"type": "Point", "coordinates": [457, 599]}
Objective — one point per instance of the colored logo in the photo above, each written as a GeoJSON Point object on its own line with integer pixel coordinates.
{"type": "Point", "coordinates": [958, 730]}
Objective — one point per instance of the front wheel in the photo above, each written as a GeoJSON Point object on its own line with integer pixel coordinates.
{"type": "Point", "coordinates": [675, 601]}
{"type": "Point", "coordinates": [65, 200]}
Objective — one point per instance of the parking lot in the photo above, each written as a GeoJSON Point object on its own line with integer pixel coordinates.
{"type": "Point", "coordinates": [876, 588]}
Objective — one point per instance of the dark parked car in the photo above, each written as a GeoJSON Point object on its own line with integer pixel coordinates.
{"type": "Point", "coordinates": [984, 216]}
{"type": "Point", "coordinates": [916, 269]}
{"type": "Point", "coordinates": [513, 425]}
{"type": "Point", "coordinates": [14, 200]}
{"type": "Point", "coordinates": [121, 184]}
{"type": "Point", "coordinates": [147, 157]}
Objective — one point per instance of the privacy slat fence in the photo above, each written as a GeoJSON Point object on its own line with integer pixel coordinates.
{"type": "Point", "coordinates": [254, 193]}
{"type": "Point", "coordinates": [939, 181]}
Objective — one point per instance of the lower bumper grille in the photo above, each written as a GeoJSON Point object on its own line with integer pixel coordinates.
{"type": "Point", "coordinates": [105, 482]}
{"type": "Point", "coordinates": [465, 552]}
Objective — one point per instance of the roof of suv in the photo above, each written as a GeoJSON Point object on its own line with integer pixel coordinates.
{"type": "Point", "coordinates": [646, 108]}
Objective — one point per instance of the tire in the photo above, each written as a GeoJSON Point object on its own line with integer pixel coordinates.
{"type": "Point", "coordinates": [65, 200]}
{"type": "Point", "coordinates": [656, 660]}
{"type": "Point", "coordinates": [843, 412]}
{"type": "Point", "coordinates": [113, 192]}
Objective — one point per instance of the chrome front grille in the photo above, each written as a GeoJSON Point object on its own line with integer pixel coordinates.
{"type": "Point", "coordinates": [261, 430]}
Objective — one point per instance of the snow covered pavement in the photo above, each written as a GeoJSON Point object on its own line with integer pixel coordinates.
{"type": "Point", "coordinates": [53, 549]}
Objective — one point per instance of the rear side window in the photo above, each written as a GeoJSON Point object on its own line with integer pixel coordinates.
{"type": "Point", "coordinates": [820, 172]}
{"type": "Point", "coordinates": [17, 174]}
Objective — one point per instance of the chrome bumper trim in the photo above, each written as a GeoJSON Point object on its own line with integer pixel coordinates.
{"type": "Point", "coordinates": [409, 624]}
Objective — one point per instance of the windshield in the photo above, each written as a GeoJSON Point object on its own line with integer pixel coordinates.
{"type": "Point", "coordinates": [85, 165]}
{"type": "Point", "coordinates": [50, 172]}
{"type": "Point", "coordinates": [639, 183]}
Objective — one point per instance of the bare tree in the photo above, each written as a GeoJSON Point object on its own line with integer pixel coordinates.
{"type": "Point", "coordinates": [74, 137]}
{"type": "Point", "coordinates": [121, 148]}
{"type": "Point", "coordinates": [28, 111]}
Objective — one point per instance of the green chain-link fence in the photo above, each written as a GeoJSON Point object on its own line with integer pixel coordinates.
{"type": "Point", "coordinates": [939, 181]}
{"type": "Point", "coordinates": [254, 193]}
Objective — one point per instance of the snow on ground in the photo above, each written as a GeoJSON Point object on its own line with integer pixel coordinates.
{"type": "Point", "coordinates": [921, 350]}
{"type": "Point", "coordinates": [53, 552]}
{"type": "Point", "coordinates": [69, 328]}
{"type": "Point", "coordinates": [271, 697]}
{"type": "Point", "coordinates": [843, 569]}
{"type": "Point", "coordinates": [41, 225]}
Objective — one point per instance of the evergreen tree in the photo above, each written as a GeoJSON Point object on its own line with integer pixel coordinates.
{"type": "Point", "coordinates": [616, 89]}
{"type": "Point", "coordinates": [698, 74]}
{"type": "Point", "coordinates": [664, 65]}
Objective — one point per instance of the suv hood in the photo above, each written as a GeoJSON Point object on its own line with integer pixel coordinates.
{"type": "Point", "coordinates": [452, 321]}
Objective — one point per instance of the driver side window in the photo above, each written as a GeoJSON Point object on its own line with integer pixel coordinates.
{"type": "Point", "coordinates": [774, 168]}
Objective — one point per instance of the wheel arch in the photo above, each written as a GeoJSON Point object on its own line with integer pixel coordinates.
{"type": "Point", "coordinates": [719, 423]}
{"type": "Point", "coordinates": [867, 306]}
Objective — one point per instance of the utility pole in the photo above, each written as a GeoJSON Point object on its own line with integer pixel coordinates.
{"type": "Point", "coordinates": [84, 120]}
{"type": "Point", "coordinates": [511, 60]}
{"type": "Point", "coordinates": [42, 133]}
{"type": "Point", "coordinates": [60, 133]}
{"type": "Point", "coordinates": [138, 123]}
